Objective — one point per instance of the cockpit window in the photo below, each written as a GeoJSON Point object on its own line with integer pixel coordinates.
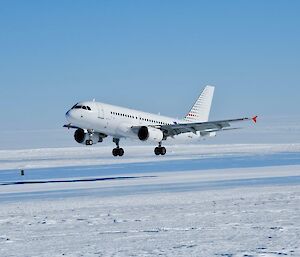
{"type": "Point", "coordinates": [76, 106]}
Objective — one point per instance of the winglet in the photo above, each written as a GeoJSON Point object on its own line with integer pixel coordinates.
{"type": "Point", "coordinates": [254, 119]}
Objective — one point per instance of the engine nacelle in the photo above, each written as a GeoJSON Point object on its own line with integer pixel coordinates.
{"type": "Point", "coordinates": [81, 136]}
{"type": "Point", "coordinates": [150, 134]}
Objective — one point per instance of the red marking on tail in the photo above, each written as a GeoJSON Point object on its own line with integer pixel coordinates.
{"type": "Point", "coordinates": [254, 119]}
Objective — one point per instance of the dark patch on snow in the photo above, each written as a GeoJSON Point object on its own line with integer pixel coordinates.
{"type": "Point", "coordinates": [224, 254]}
{"type": "Point", "coordinates": [184, 246]}
{"type": "Point", "coordinates": [276, 228]}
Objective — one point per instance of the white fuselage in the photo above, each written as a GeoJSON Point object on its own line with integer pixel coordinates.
{"type": "Point", "coordinates": [117, 121]}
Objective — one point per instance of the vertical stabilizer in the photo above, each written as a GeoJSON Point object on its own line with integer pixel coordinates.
{"type": "Point", "coordinates": [201, 109]}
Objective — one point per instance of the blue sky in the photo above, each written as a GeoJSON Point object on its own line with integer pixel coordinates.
{"type": "Point", "coordinates": [150, 55]}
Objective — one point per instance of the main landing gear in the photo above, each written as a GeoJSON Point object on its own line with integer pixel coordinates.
{"type": "Point", "coordinates": [117, 151]}
{"type": "Point", "coordinates": [160, 150]}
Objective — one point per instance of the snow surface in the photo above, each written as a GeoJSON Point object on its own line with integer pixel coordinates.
{"type": "Point", "coordinates": [225, 200]}
{"type": "Point", "coordinates": [82, 156]}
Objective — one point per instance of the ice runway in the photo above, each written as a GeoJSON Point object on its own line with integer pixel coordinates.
{"type": "Point", "coordinates": [240, 200]}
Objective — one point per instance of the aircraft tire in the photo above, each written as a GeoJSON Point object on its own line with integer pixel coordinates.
{"type": "Point", "coordinates": [89, 142]}
{"type": "Point", "coordinates": [115, 152]}
{"type": "Point", "coordinates": [157, 150]}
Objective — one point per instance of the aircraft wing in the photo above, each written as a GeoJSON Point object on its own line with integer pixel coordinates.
{"type": "Point", "coordinates": [70, 126]}
{"type": "Point", "coordinates": [210, 126]}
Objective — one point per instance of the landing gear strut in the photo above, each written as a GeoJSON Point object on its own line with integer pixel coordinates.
{"type": "Point", "coordinates": [117, 151]}
{"type": "Point", "coordinates": [160, 150]}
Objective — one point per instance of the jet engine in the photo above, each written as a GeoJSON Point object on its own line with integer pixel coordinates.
{"type": "Point", "coordinates": [150, 134]}
{"type": "Point", "coordinates": [82, 136]}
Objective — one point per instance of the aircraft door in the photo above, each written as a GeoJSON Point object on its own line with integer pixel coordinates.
{"type": "Point", "coordinates": [100, 112]}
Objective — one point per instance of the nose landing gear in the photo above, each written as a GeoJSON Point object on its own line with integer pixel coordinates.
{"type": "Point", "coordinates": [89, 142]}
{"type": "Point", "coordinates": [117, 151]}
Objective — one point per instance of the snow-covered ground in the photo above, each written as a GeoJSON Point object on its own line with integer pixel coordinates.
{"type": "Point", "coordinates": [82, 156]}
{"type": "Point", "coordinates": [202, 200]}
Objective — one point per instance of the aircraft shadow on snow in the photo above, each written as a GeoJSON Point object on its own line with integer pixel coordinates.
{"type": "Point", "coordinates": [71, 180]}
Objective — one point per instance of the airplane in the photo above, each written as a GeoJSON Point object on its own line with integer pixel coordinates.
{"type": "Point", "coordinates": [95, 121]}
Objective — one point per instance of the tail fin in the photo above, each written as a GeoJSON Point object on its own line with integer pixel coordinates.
{"type": "Point", "coordinates": [201, 109]}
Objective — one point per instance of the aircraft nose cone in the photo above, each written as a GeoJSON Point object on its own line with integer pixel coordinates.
{"type": "Point", "coordinates": [69, 116]}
